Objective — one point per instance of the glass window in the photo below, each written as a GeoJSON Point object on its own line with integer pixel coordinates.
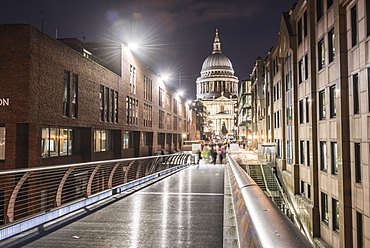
{"type": "Point", "coordinates": [308, 191]}
{"type": "Point", "coordinates": [307, 110]}
{"type": "Point", "coordinates": [334, 158]}
{"type": "Point", "coordinates": [335, 206]}
{"type": "Point", "coordinates": [323, 165]}
{"type": "Point", "coordinates": [302, 152]}
{"type": "Point", "coordinates": [300, 71]}
{"type": "Point", "coordinates": [290, 151]}
{"type": "Point", "coordinates": [306, 67]}
{"type": "Point", "coordinates": [66, 93]}
{"type": "Point", "coordinates": [101, 101]}
{"type": "Point", "coordinates": [305, 25]}
{"type": "Point", "coordinates": [2, 143]}
{"type": "Point", "coordinates": [308, 153]}
{"type": "Point", "coordinates": [322, 105]}
{"type": "Point", "coordinates": [126, 140]}
{"type": "Point", "coordinates": [302, 187]}
{"type": "Point", "coordinates": [289, 115]}
{"type": "Point", "coordinates": [333, 106]}
{"type": "Point", "coordinates": [358, 175]}
{"type": "Point", "coordinates": [301, 112]}
{"type": "Point", "coordinates": [354, 25]}
{"type": "Point", "coordinates": [324, 208]}
{"type": "Point", "coordinates": [132, 79]}
{"type": "Point", "coordinates": [319, 9]}
{"type": "Point", "coordinates": [331, 45]}
{"type": "Point", "coordinates": [321, 54]}
{"type": "Point", "coordinates": [59, 142]}
{"type": "Point", "coordinates": [102, 140]}
{"type": "Point", "coordinates": [360, 230]}
{"type": "Point", "coordinates": [299, 27]}
{"type": "Point", "coordinates": [74, 100]}
{"type": "Point", "coordinates": [356, 101]}
{"type": "Point", "coordinates": [329, 3]}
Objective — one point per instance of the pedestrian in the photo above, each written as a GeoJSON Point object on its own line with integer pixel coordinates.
{"type": "Point", "coordinates": [221, 153]}
{"type": "Point", "coordinates": [214, 156]}
{"type": "Point", "coordinates": [199, 155]}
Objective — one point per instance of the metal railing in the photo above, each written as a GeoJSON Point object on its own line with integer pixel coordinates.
{"type": "Point", "coordinates": [33, 196]}
{"type": "Point", "coordinates": [260, 223]}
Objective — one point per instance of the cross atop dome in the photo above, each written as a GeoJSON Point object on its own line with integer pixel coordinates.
{"type": "Point", "coordinates": [216, 44]}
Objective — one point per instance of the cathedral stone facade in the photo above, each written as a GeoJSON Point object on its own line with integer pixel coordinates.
{"type": "Point", "coordinates": [217, 91]}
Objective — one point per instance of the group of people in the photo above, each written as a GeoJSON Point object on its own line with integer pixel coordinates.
{"type": "Point", "coordinates": [214, 152]}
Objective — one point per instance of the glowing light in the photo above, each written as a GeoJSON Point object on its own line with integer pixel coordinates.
{"type": "Point", "coordinates": [165, 77]}
{"type": "Point", "coordinates": [180, 92]}
{"type": "Point", "coordinates": [133, 46]}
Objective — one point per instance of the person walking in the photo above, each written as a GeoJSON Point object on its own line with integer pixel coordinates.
{"type": "Point", "coordinates": [214, 156]}
{"type": "Point", "coordinates": [199, 155]}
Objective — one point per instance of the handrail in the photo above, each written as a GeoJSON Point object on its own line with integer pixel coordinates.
{"type": "Point", "coordinates": [260, 222]}
{"type": "Point", "coordinates": [32, 191]}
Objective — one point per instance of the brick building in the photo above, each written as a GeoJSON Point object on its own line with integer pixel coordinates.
{"type": "Point", "coordinates": [316, 87]}
{"type": "Point", "coordinates": [66, 101]}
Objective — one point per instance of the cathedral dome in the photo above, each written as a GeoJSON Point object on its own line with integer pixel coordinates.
{"type": "Point", "coordinates": [217, 61]}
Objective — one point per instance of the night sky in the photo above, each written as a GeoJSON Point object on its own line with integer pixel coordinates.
{"type": "Point", "coordinates": [174, 36]}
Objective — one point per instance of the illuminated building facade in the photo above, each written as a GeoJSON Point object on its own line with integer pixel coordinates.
{"type": "Point", "coordinates": [317, 107]}
{"type": "Point", "coordinates": [66, 101]}
{"type": "Point", "coordinates": [217, 92]}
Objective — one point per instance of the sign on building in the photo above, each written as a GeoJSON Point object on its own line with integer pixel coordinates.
{"type": "Point", "coordinates": [4, 101]}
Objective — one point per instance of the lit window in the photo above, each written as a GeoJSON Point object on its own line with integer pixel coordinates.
{"type": "Point", "coordinates": [321, 54]}
{"type": "Point", "coordinates": [102, 140]}
{"type": "Point", "coordinates": [322, 105]}
{"type": "Point", "coordinates": [323, 164]}
{"type": "Point", "coordinates": [59, 142]}
{"type": "Point", "coordinates": [331, 45]}
{"type": "Point", "coordinates": [324, 208]}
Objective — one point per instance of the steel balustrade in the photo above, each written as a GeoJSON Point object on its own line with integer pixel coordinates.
{"type": "Point", "coordinates": [33, 191]}
{"type": "Point", "coordinates": [260, 223]}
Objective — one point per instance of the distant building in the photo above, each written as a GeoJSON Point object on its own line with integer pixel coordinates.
{"type": "Point", "coordinates": [316, 92]}
{"type": "Point", "coordinates": [66, 101]}
{"type": "Point", "coordinates": [217, 92]}
{"type": "Point", "coordinates": [245, 113]}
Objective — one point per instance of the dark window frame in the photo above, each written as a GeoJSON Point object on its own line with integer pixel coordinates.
{"type": "Point", "coordinates": [354, 31]}
{"type": "Point", "coordinates": [356, 94]}
{"type": "Point", "coordinates": [321, 54]}
{"type": "Point", "coordinates": [332, 100]}
{"type": "Point", "coordinates": [358, 172]}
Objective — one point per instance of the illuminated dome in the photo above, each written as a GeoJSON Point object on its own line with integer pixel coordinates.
{"type": "Point", "coordinates": [217, 61]}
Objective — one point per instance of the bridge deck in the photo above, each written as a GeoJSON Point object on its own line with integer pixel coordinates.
{"type": "Point", "coordinates": [182, 210]}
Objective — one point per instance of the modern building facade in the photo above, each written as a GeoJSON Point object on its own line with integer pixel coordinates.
{"type": "Point", "coordinates": [317, 109]}
{"type": "Point", "coordinates": [66, 101]}
{"type": "Point", "coordinates": [217, 91]}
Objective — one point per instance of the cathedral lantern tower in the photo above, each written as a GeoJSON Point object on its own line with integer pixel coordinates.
{"type": "Point", "coordinates": [217, 90]}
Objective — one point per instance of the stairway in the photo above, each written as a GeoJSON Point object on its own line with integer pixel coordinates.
{"type": "Point", "coordinates": [256, 174]}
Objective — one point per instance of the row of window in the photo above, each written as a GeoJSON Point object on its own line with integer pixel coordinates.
{"type": "Point", "coordinates": [108, 100]}
{"type": "Point", "coordinates": [325, 211]}
{"type": "Point", "coordinates": [59, 141]}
